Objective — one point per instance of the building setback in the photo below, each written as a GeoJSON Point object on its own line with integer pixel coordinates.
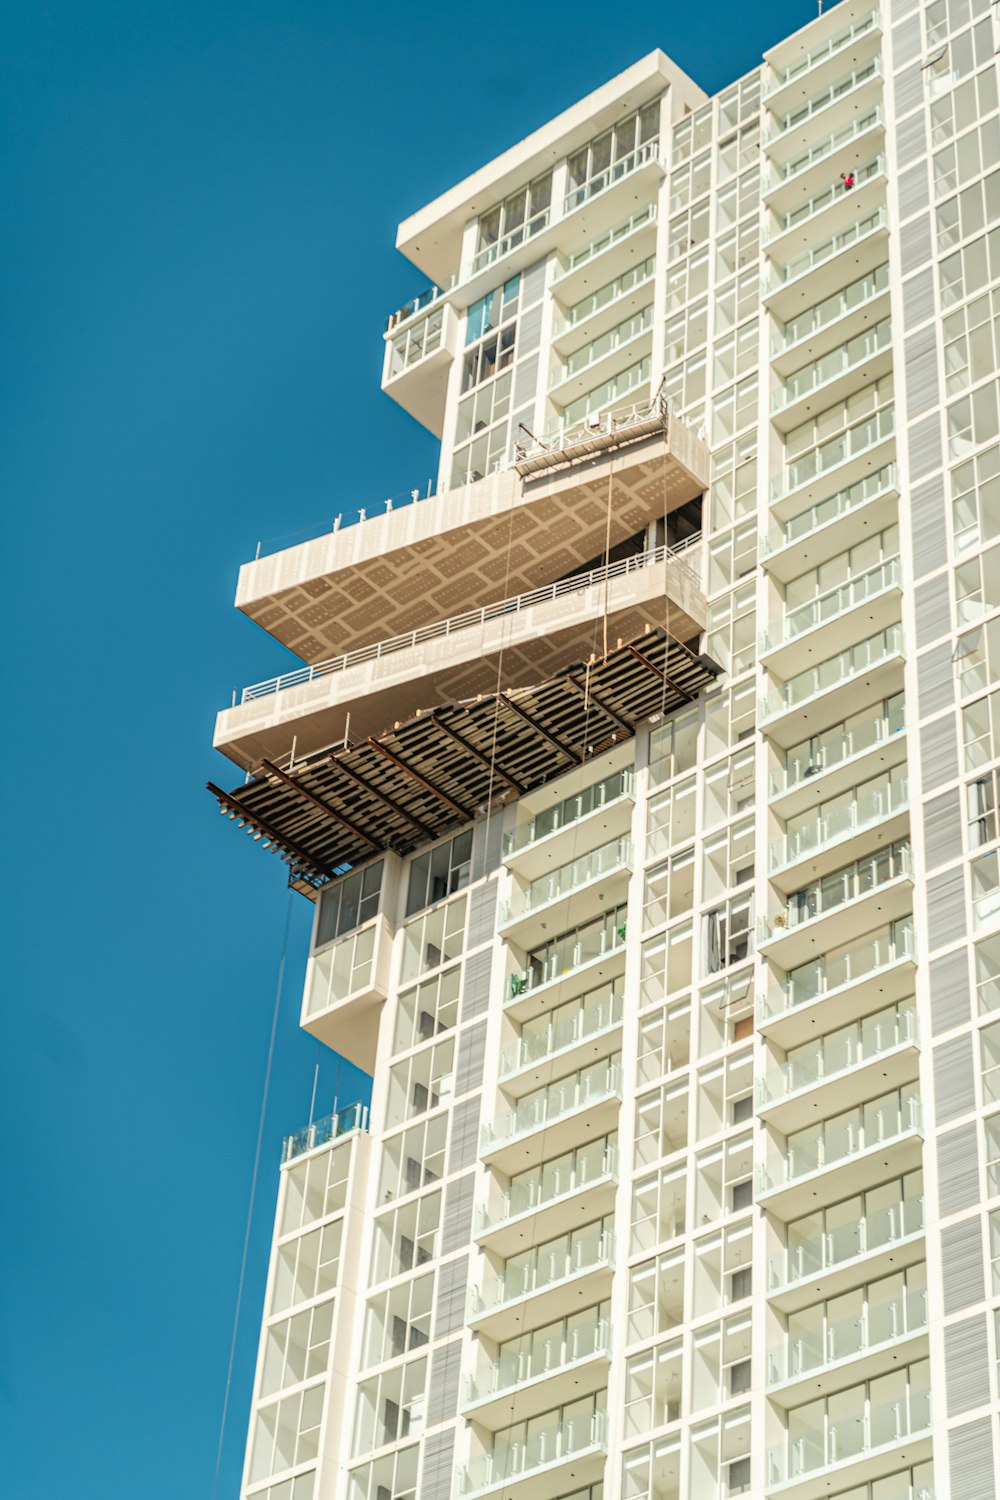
{"type": "Point", "coordinates": [644, 778]}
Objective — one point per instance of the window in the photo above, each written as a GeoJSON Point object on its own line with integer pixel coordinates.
{"type": "Point", "coordinates": [666, 964]}
{"type": "Point", "coordinates": [668, 890]}
{"type": "Point", "coordinates": [726, 1012]}
{"type": "Point", "coordinates": [724, 1092]}
{"type": "Point", "coordinates": [341, 970]}
{"type": "Point", "coordinates": [399, 1321]}
{"type": "Point", "coordinates": [734, 409]}
{"type": "Point", "coordinates": [421, 1082]}
{"type": "Point", "coordinates": [967, 157]}
{"type": "Point", "coordinates": [672, 747]}
{"type": "Point", "coordinates": [349, 903]}
{"type": "Point", "coordinates": [286, 1433]}
{"type": "Point", "coordinates": [315, 1188]}
{"type": "Point", "coordinates": [738, 301]}
{"type": "Point", "coordinates": [974, 419]}
{"type": "Point", "coordinates": [427, 1010]}
{"type": "Point", "coordinates": [968, 213]}
{"type": "Point", "coordinates": [985, 892]}
{"type": "Point", "coordinates": [687, 231]}
{"type": "Point", "coordinates": [690, 182]}
{"type": "Point", "coordinates": [413, 1159]}
{"type": "Point", "coordinates": [723, 1180]}
{"type": "Point", "coordinates": [612, 154]}
{"type": "Point", "coordinates": [734, 482]}
{"type": "Point", "coordinates": [391, 1477]}
{"type": "Point", "coordinates": [737, 251]}
{"type": "Point", "coordinates": [727, 859]}
{"type": "Point", "coordinates": [612, 391]}
{"type": "Point", "coordinates": [728, 933]}
{"type": "Point", "coordinates": [514, 220]}
{"type": "Point", "coordinates": [965, 273]}
{"type": "Point", "coordinates": [658, 1208]}
{"type": "Point", "coordinates": [730, 718]}
{"type": "Point", "coordinates": [297, 1349]}
{"type": "Point", "coordinates": [981, 809]}
{"type": "Point", "coordinates": [433, 939]}
{"type": "Point", "coordinates": [670, 818]}
{"type": "Point", "coordinates": [736, 201]}
{"type": "Point", "coordinates": [661, 1123]}
{"type": "Point", "coordinates": [739, 150]}
{"type": "Point", "coordinates": [729, 788]}
{"type": "Point", "coordinates": [656, 1296]}
{"type": "Point", "coordinates": [491, 311]}
{"type": "Point", "coordinates": [730, 638]}
{"type": "Point", "coordinates": [987, 969]}
{"type": "Point", "coordinates": [686, 331]}
{"type": "Point", "coordinates": [488, 358]}
{"type": "Point", "coordinates": [975, 500]}
{"type": "Point", "coordinates": [307, 1266]}
{"type": "Point", "coordinates": [977, 658]}
{"type": "Point", "coordinates": [687, 279]}
{"type": "Point", "coordinates": [653, 1388]}
{"type": "Point", "coordinates": [390, 1407]}
{"type": "Point", "coordinates": [406, 1237]}
{"type": "Point", "coordinates": [439, 872]}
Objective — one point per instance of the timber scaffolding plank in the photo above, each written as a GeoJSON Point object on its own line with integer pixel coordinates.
{"type": "Point", "coordinates": [444, 767]}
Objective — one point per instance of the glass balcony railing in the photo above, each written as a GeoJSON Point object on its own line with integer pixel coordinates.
{"type": "Point", "coordinates": [845, 1136]}
{"type": "Point", "coordinates": [831, 311]}
{"type": "Point", "coordinates": [574, 1254]}
{"type": "Point", "coordinates": [832, 144]}
{"type": "Point", "coordinates": [616, 338]}
{"type": "Point", "coordinates": [583, 192]}
{"type": "Point", "coordinates": [848, 357]}
{"type": "Point", "coordinates": [869, 1427]}
{"type": "Point", "coordinates": [422, 300]}
{"type": "Point", "coordinates": [589, 1017]}
{"type": "Point", "coordinates": [602, 1080]}
{"type": "Point", "coordinates": [342, 1122]}
{"type": "Point", "coordinates": [801, 265]}
{"type": "Point", "coordinates": [638, 220]}
{"type": "Point", "coordinates": [832, 673]}
{"type": "Point", "coordinates": [844, 86]}
{"type": "Point", "coordinates": [629, 281]}
{"type": "Point", "coordinates": [550, 1182]}
{"type": "Point", "coordinates": [840, 1338]}
{"type": "Point", "coordinates": [836, 601]}
{"type": "Point", "coordinates": [561, 1349]}
{"type": "Point", "coordinates": [805, 64]}
{"type": "Point", "coordinates": [841, 504]}
{"type": "Point", "coordinates": [834, 1247]}
{"type": "Point", "coordinates": [854, 443]}
{"type": "Point", "coordinates": [569, 878]}
{"type": "Point", "coordinates": [826, 751]}
{"type": "Point", "coordinates": [825, 975]}
{"type": "Point", "coordinates": [595, 940]}
{"type": "Point", "coordinates": [867, 808]}
{"type": "Point", "coordinates": [547, 1445]}
{"type": "Point", "coordinates": [821, 897]}
{"type": "Point", "coordinates": [502, 247]}
{"type": "Point", "coordinates": [796, 217]}
{"type": "Point", "coordinates": [838, 1053]}
{"type": "Point", "coordinates": [571, 810]}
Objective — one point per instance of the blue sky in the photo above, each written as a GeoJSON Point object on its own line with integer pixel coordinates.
{"type": "Point", "coordinates": [197, 259]}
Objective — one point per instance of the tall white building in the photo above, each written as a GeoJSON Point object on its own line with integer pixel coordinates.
{"type": "Point", "coordinates": [644, 777]}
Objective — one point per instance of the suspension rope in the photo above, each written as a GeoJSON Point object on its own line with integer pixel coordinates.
{"type": "Point", "coordinates": [253, 1192]}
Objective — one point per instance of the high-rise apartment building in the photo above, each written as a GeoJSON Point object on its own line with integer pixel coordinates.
{"type": "Point", "coordinates": [644, 777]}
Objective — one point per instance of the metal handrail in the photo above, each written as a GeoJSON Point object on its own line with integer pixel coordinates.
{"type": "Point", "coordinates": [576, 585]}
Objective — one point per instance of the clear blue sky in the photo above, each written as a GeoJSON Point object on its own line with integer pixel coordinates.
{"type": "Point", "coordinates": [197, 257]}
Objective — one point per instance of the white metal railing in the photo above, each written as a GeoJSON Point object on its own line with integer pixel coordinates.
{"type": "Point", "coordinates": [602, 1080]}
{"type": "Point", "coordinates": [824, 976]}
{"type": "Point", "coordinates": [559, 1350]}
{"type": "Point", "coordinates": [824, 751]}
{"type": "Point", "coordinates": [801, 265]}
{"type": "Point", "coordinates": [606, 296]}
{"type": "Point", "coordinates": [854, 442]}
{"type": "Point", "coordinates": [832, 309]}
{"type": "Point", "coordinates": [578, 1021]}
{"type": "Point", "coordinates": [827, 607]}
{"type": "Point", "coordinates": [840, 1338]}
{"type": "Point", "coordinates": [855, 80]}
{"type": "Point", "coordinates": [851, 1437]}
{"type": "Point", "coordinates": [831, 144]}
{"type": "Point", "coordinates": [474, 617]}
{"type": "Point", "coordinates": [852, 497]}
{"type": "Point", "coordinates": [568, 878]}
{"type": "Point", "coordinates": [831, 673]}
{"type": "Point", "coordinates": [566, 437]}
{"type": "Point", "coordinates": [548, 1266]}
{"type": "Point", "coordinates": [796, 217]}
{"type": "Point", "coordinates": [568, 812]}
{"type": "Point", "coordinates": [606, 343]}
{"type": "Point", "coordinates": [840, 361]}
{"type": "Point", "coordinates": [508, 242]}
{"type": "Point", "coordinates": [865, 810]}
{"type": "Point", "coordinates": [604, 241]}
{"type": "Point", "coordinates": [820, 1252]}
{"type": "Point", "coordinates": [812, 59]}
{"type": "Point", "coordinates": [840, 1052]}
{"type": "Point", "coordinates": [607, 176]}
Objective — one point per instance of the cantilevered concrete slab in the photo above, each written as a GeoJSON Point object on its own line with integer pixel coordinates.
{"type": "Point", "coordinates": [511, 645]}
{"type": "Point", "coordinates": [499, 536]}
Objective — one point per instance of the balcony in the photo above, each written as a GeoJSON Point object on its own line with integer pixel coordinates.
{"type": "Point", "coordinates": [532, 1469]}
{"type": "Point", "coordinates": [830, 763]}
{"type": "Point", "coordinates": [603, 309]}
{"type": "Point", "coordinates": [839, 207]}
{"type": "Point", "coordinates": [833, 838]}
{"type": "Point", "coordinates": [846, 1349]}
{"type": "Point", "coordinates": [867, 602]}
{"type": "Point", "coordinates": [626, 166]}
{"type": "Point", "coordinates": [579, 1032]}
{"type": "Point", "coordinates": [593, 954]}
{"type": "Point", "coordinates": [834, 1261]}
{"type": "Point", "coordinates": [575, 892]}
{"type": "Point", "coordinates": [603, 358]}
{"type": "Point", "coordinates": [832, 526]}
{"type": "Point", "coordinates": [833, 377]}
{"type": "Point", "coordinates": [850, 456]}
{"type": "Point", "coordinates": [553, 1119]}
{"type": "Point", "coordinates": [551, 1283]}
{"type": "Point", "coordinates": [321, 1132]}
{"type": "Point", "coordinates": [550, 836]}
{"type": "Point", "coordinates": [811, 69]}
{"type": "Point", "coordinates": [550, 1200]}
{"type": "Point", "coordinates": [830, 107]}
{"type": "Point", "coordinates": [823, 915]}
{"type": "Point", "coordinates": [569, 1362]}
{"type": "Point", "coordinates": [417, 361]}
{"type": "Point", "coordinates": [785, 183]}
{"type": "Point", "coordinates": [873, 668]}
{"type": "Point", "coordinates": [854, 1450]}
{"type": "Point", "coordinates": [788, 289]}
{"type": "Point", "coordinates": [875, 972]}
{"type": "Point", "coordinates": [842, 1068]}
{"type": "Point", "coordinates": [610, 254]}
{"type": "Point", "coordinates": [846, 1154]}
{"type": "Point", "coordinates": [346, 986]}
{"type": "Point", "coordinates": [829, 323]}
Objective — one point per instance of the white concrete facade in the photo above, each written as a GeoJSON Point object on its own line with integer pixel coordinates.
{"type": "Point", "coordinates": [681, 1177]}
